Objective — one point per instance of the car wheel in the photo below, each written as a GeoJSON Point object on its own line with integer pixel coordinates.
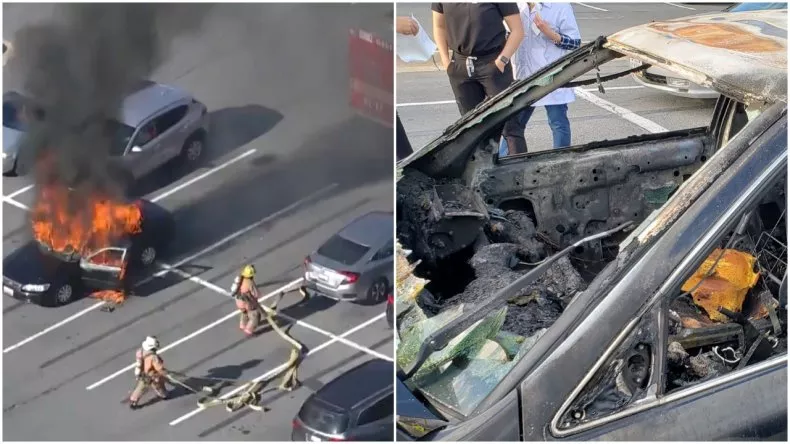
{"type": "Point", "coordinates": [378, 291]}
{"type": "Point", "coordinates": [148, 256]}
{"type": "Point", "coordinates": [63, 294]}
{"type": "Point", "coordinates": [193, 150]}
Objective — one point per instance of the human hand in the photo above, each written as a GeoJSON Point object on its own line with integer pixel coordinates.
{"type": "Point", "coordinates": [543, 25]}
{"type": "Point", "coordinates": [406, 26]}
{"type": "Point", "coordinates": [499, 65]}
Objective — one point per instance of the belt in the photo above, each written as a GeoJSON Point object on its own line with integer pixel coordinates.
{"type": "Point", "coordinates": [480, 55]}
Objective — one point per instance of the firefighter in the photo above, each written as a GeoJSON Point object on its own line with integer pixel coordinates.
{"type": "Point", "coordinates": [246, 294]}
{"type": "Point", "coordinates": [149, 371]}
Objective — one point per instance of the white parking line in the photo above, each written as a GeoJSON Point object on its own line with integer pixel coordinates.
{"type": "Point", "coordinates": [53, 327]}
{"type": "Point", "coordinates": [281, 367]}
{"type": "Point", "coordinates": [447, 102]}
{"type": "Point", "coordinates": [204, 175]}
{"type": "Point", "coordinates": [592, 7]}
{"type": "Point", "coordinates": [624, 113]}
{"type": "Point", "coordinates": [182, 261]}
{"type": "Point", "coordinates": [680, 6]}
{"type": "Point", "coordinates": [193, 334]}
{"type": "Point", "coordinates": [8, 200]}
{"type": "Point", "coordinates": [20, 191]}
{"type": "Point", "coordinates": [226, 293]}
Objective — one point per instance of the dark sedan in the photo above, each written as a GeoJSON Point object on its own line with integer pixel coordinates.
{"type": "Point", "coordinates": [35, 274]}
{"type": "Point", "coordinates": [631, 289]}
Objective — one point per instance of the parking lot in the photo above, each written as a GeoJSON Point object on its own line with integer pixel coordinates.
{"type": "Point", "coordinates": [289, 165]}
{"type": "Point", "coordinates": [426, 105]}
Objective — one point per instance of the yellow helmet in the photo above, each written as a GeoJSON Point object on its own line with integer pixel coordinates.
{"type": "Point", "coordinates": [248, 271]}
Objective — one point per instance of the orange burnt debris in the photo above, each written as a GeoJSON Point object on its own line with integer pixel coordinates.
{"type": "Point", "coordinates": [727, 285]}
{"type": "Point", "coordinates": [67, 221]}
{"type": "Point", "coordinates": [111, 296]}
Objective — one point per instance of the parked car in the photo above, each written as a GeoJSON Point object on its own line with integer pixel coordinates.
{"type": "Point", "coordinates": [156, 125]}
{"type": "Point", "coordinates": [615, 342]}
{"type": "Point", "coordinates": [35, 273]}
{"type": "Point", "coordinates": [356, 263]}
{"type": "Point", "coordinates": [356, 406]}
{"type": "Point", "coordinates": [676, 84]}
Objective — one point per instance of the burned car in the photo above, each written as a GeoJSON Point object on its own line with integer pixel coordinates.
{"type": "Point", "coordinates": [631, 289]}
{"type": "Point", "coordinates": [40, 272]}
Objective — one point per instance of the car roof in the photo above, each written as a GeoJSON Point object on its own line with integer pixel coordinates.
{"type": "Point", "coordinates": [358, 384]}
{"type": "Point", "coordinates": [370, 229]}
{"type": "Point", "coordinates": [146, 98]}
{"type": "Point", "coordinates": [739, 54]}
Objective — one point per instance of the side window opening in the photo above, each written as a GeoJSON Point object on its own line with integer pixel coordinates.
{"type": "Point", "coordinates": [628, 376]}
{"type": "Point", "coordinates": [170, 118]}
{"type": "Point", "coordinates": [727, 316]}
{"type": "Point", "coordinates": [146, 134]}
{"type": "Point", "coordinates": [112, 257]}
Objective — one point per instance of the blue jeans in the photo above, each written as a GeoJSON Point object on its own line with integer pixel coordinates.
{"type": "Point", "coordinates": [558, 121]}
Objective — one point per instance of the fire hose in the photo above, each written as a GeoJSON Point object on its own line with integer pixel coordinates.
{"type": "Point", "coordinates": [249, 392]}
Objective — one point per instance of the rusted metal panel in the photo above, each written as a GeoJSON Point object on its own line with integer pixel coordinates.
{"type": "Point", "coordinates": [742, 55]}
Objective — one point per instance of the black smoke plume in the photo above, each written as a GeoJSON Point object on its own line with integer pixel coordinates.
{"type": "Point", "coordinates": [79, 68]}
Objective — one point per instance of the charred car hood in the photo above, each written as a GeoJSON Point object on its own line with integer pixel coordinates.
{"type": "Point", "coordinates": [30, 265]}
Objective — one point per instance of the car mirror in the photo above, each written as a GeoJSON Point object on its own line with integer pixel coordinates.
{"type": "Point", "coordinates": [136, 149]}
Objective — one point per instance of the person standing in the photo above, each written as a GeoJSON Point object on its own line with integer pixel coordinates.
{"type": "Point", "coordinates": [149, 371]}
{"type": "Point", "coordinates": [550, 33]}
{"type": "Point", "coordinates": [406, 26]}
{"type": "Point", "coordinates": [245, 292]}
{"type": "Point", "coordinates": [479, 65]}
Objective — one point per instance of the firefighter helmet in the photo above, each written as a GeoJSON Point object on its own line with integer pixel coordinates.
{"type": "Point", "coordinates": [248, 271]}
{"type": "Point", "coordinates": [150, 343]}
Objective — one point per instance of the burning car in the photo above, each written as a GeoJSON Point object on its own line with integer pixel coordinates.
{"type": "Point", "coordinates": [67, 259]}
{"type": "Point", "coordinates": [631, 289]}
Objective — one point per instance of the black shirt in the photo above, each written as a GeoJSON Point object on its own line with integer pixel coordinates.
{"type": "Point", "coordinates": [475, 29]}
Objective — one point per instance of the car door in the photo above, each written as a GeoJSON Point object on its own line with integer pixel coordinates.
{"type": "Point", "coordinates": [172, 134]}
{"type": "Point", "coordinates": [104, 269]}
{"type": "Point", "coordinates": [381, 262]}
{"type": "Point", "coordinates": [141, 159]}
{"type": "Point", "coordinates": [374, 422]}
{"type": "Point", "coordinates": [740, 394]}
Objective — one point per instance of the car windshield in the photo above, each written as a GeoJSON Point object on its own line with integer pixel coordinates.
{"type": "Point", "coordinates": [740, 7]}
{"type": "Point", "coordinates": [120, 134]}
{"type": "Point", "coordinates": [340, 249]}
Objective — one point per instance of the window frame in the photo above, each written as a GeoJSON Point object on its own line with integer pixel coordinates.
{"type": "Point", "coordinates": [86, 261]}
{"type": "Point", "coordinates": [155, 119]}
{"type": "Point", "coordinates": [656, 394]}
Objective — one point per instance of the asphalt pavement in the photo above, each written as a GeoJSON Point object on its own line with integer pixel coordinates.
{"type": "Point", "coordinates": [426, 105]}
{"type": "Point", "coordinates": [290, 164]}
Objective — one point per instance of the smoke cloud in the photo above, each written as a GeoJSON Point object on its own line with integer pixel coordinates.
{"type": "Point", "coordinates": [79, 69]}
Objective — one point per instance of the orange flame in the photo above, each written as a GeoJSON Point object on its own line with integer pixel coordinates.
{"type": "Point", "coordinates": [111, 296]}
{"type": "Point", "coordinates": [66, 221]}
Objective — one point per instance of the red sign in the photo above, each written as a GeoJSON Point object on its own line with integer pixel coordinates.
{"type": "Point", "coordinates": [371, 66]}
